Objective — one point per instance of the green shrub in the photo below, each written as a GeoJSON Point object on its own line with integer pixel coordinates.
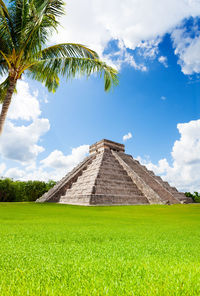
{"type": "Point", "coordinates": [196, 197]}
{"type": "Point", "coordinates": [12, 191]}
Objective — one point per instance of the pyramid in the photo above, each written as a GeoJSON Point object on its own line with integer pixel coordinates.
{"type": "Point", "coordinates": [108, 176]}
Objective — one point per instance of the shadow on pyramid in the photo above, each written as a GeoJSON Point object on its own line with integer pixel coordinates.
{"type": "Point", "coordinates": [108, 176]}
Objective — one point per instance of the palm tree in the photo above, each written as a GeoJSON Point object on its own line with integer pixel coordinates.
{"type": "Point", "coordinates": [25, 26]}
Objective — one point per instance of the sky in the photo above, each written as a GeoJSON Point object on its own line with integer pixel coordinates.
{"type": "Point", "coordinates": [154, 111]}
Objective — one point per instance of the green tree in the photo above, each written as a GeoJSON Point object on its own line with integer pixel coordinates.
{"type": "Point", "coordinates": [7, 190]}
{"type": "Point", "coordinates": [25, 27]}
{"type": "Point", "coordinates": [34, 189]}
{"type": "Point", "coordinates": [13, 191]}
{"type": "Point", "coordinates": [50, 184]}
{"type": "Point", "coordinates": [195, 196]}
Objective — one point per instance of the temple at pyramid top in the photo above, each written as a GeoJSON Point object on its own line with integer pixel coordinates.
{"type": "Point", "coordinates": [106, 145]}
{"type": "Point", "coordinates": [109, 176]}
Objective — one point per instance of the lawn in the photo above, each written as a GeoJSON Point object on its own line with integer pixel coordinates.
{"type": "Point", "coordinates": [51, 249]}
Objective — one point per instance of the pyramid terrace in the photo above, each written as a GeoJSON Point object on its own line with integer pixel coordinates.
{"type": "Point", "coordinates": [109, 176]}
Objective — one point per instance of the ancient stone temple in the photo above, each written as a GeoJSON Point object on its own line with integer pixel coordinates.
{"type": "Point", "coordinates": [109, 176]}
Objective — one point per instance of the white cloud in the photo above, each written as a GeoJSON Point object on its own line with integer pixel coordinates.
{"type": "Point", "coordinates": [24, 105]}
{"type": "Point", "coordinates": [134, 23]}
{"type": "Point", "coordinates": [20, 142]}
{"type": "Point", "coordinates": [163, 60]}
{"type": "Point", "coordinates": [163, 98]}
{"type": "Point", "coordinates": [129, 59]}
{"type": "Point", "coordinates": [149, 48]}
{"type": "Point", "coordinates": [184, 171]}
{"type": "Point", "coordinates": [55, 166]}
{"type": "Point", "coordinates": [127, 137]}
{"type": "Point", "coordinates": [2, 169]}
{"type": "Point", "coordinates": [159, 169]}
{"type": "Point", "coordinates": [57, 159]}
{"type": "Point", "coordinates": [21, 174]}
{"type": "Point", "coordinates": [187, 48]}
{"type": "Point", "coordinates": [123, 56]}
{"type": "Point", "coordinates": [14, 173]}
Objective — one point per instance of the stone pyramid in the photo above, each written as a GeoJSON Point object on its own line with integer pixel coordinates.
{"type": "Point", "coordinates": [108, 176]}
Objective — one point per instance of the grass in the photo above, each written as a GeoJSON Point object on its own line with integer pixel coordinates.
{"type": "Point", "coordinates": [50, 249]}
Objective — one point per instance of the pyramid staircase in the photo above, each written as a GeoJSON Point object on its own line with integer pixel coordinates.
{"type": "Point", "coordinates": [108, 176]}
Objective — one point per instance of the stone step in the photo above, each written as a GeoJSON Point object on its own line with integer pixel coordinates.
{"type": "Point", "coordinates": [117, 191]}
{"type": "Point", "coordinates": [106, 183]}
{"type": "Point", "coordinates": [78, 192]}
{"type": "Point", "coordinates": [82, 200]}
{"type": "Point", "coordinates": [114, 182]}
{"type": "Point", "coordinates": [110, 161]}
{"type": "Point", "coordinates": [112, 171]}
{"type": "Point", "coordinates": [83, 182]}
{"type": "Point", "coordinates": [172, 190]}
{"type": "Point", "coordinates": [111, 166]}
{"type": "Point", "coordinates": [109, 176]}
{"type": "Point", "coordinates": [166, 185]}
{"type": "Point", "coordinates": [154, 184]}
{"type": "Point", "coordinates": [104, 199]}
{"type": "Point", "coordinates": [53, 195]}
{"type": "Point", "coordinates": [80, 189]}
{"type": "Point", "coordinates": [114, 186]}
{"type": "Point", "coordinates": [118, 199]}
{"type": "Point", "coordinates": [150, 172]}
{"type": "Point", "coordinates": [87, 176]}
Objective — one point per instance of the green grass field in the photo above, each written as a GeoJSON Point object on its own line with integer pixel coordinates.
{"type": "Point", "coordinates": [50, 249]}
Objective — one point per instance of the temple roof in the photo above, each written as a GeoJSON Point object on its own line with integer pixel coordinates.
{"type": "Point", "coordinates": [106, 144]}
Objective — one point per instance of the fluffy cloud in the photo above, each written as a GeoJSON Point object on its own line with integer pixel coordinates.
{"type": "Point", "coordinates": [163, 60]}
{"type": "Point", "coordinates": [22, 174]}
{"type": "Point", "coordinates": [127, 137]}
{"type": "Point", "coordinates": [134, 23]}
{"type": "Point", "coordinates": [163, 98]}
{"type": "Point", "coordinates": [187, 47]}
{"type": "Point", "coordinates": [20, 142]}
{"type": "Point", "coordinates": [24, 104]}
{"type": "Point", "coordinates": [2, 168]}
{"type": "Point", "coordinates": [184, 171]}
{"type": "Point", "coordinates": [14, 173]}
{"type": "Point", "coordinates": [58, 160]}
{"type": "Point", "coordinates": [55, 166]}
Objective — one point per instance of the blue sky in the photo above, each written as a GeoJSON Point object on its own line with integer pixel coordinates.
{"type": "Point", "coordinates": [157, 99]}
{"type": "Point", "coordinates": [82, 112]}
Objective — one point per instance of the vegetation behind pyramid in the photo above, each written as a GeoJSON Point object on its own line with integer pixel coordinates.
{"type": "Point", "coordinates": [108, 176]}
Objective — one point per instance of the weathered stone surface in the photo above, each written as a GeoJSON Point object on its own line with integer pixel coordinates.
{"type": "Point", "coordinates": [108, 176]}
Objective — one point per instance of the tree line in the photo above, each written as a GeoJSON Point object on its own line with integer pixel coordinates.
{"type": "Point", "coordinates": [13, 191]}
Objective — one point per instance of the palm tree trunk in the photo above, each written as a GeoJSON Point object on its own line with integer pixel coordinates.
{"type": "Point", "coordinates": [7, 101]}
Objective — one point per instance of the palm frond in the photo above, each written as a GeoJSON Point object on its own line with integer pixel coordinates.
{"type": "Point", "coordinates": [39, 23]}
{"type": "Point", "coordinates": [4, 9]}
{"type": "Point", "coordinates": [5, 60]}
{"type": "Point", "coordinates": [3, 89]}
{"type": "Point", "coordinates": [51, 80]}
{"type": "Point", "coordinates": [19, 12]}
{"type": "Point", "coordinates": [73, 67]}
{"type": "Point", "coordinates": [3, 67]}
{"type": "Point", "coordinates": [5, 28]}
{"type": "Point", "coordinates": [68, 50]}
